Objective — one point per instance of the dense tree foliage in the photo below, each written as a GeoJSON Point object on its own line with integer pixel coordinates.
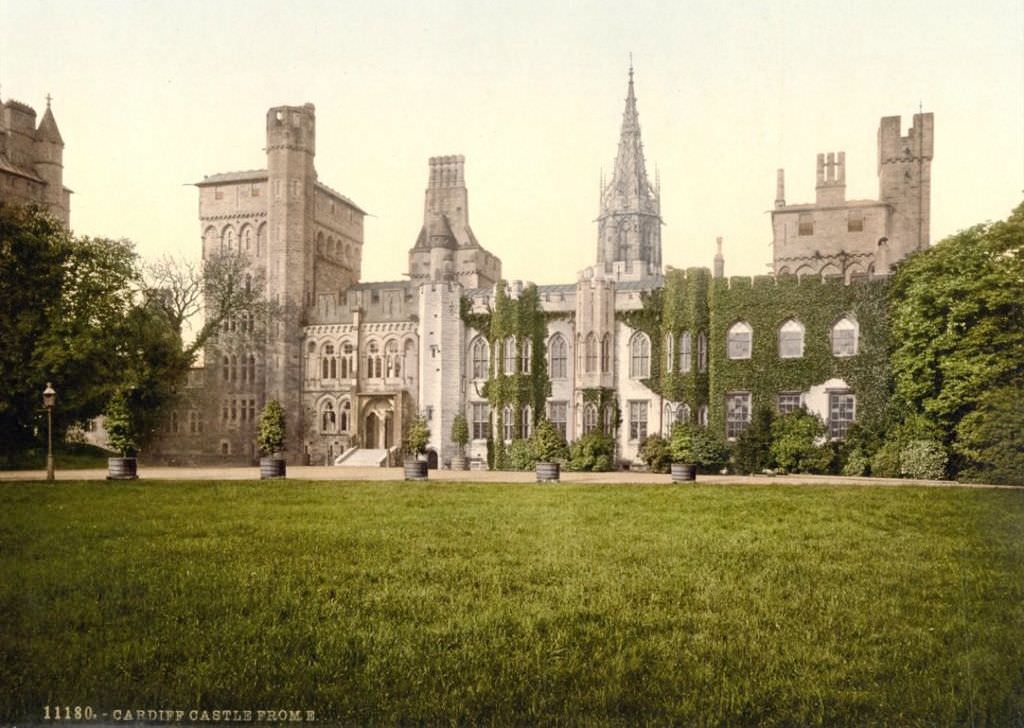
{"type": "Point", "coordinates": [958, 332]}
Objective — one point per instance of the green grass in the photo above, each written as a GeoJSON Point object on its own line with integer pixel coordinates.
{"type": "Point", "coordinates": [495, 604]}
{"type": "Point", "coordinates": [66, 456]}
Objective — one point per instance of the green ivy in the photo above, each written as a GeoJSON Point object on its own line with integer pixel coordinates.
{"type": "Point", "coordinates": [522, 318]}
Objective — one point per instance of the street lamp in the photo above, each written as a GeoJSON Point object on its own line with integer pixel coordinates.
{"type": "Point", "coordinates": [49, 398]}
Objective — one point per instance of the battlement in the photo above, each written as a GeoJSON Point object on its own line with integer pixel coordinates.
{"type": "Point", "coordinates": [917, 144]}
{"type": "Point", "coordinates": [447, 171]}
{"type": "Point", "coordinates": [292, 127]}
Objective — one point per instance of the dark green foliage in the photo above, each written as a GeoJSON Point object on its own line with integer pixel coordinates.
{"type": "Point", "coordinates": [700, 447]}
{"type": "Point", "coordinates": [443, 604]}
{"type": "Point", "coordinates": [752, 451]}
{"type": "Point", "coordinates": [547, 443]}
{"type": "Point", "coordinates": [519, 455]}
{"type": "Point", "coordinates": [595, 451]}
{"type": "Point", "coordinates": [654, 451]}
{"type": "Point", "coordinates": [121, 432]}
{"type": "Point", "coordinates": [417, 436]}
{"type": "Point", "coordinates": [460, 431]}
{"type": "Point", "coordinates": [990, 439]}
{"type": "Point", "coordinates": [271, 435]}
{"type": "Point", "coordinates": [798, 443]}
{"type": "Point", "coordinates": [923, 459]}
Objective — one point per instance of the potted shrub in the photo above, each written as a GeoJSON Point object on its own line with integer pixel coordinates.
{"type": "Point", "coordinates": [270, 440]}
{"type": "Point", "coordinates": [460, 437]}
{"type": "Point", "coordinates": [122, 437]}
{"type": "Point", "coordinates": [549, 450]}
{"type": "Point", "coordinates": [695, 449]}
{"type": "Point", "coordinates": [416, 441]}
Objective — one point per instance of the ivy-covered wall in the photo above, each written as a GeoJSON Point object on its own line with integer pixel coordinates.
{"type": "Point", "coordinates": [766, 303]}
{"type": "Point", "coordinates": [523, 319]}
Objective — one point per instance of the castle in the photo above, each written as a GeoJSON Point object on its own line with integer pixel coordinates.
{"type": "Point", "coordinates": [32, 160]}
{"type": "Point", "coordinates": [629, 347]}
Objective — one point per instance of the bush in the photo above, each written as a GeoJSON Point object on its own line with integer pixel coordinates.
{"type": "Point", "coordinates": [798, 443]}
{"type": "Point", "coordinates": [885, 463]}
{"type": "Point", "coordinates": [752, 452]}
{"type": "Point", "coordinates": [270, 438]}
{"type": "Point", "coordinates": [519, 456]}
{"type": "Point", "coordinates": [654, 451]}
{"type": "Point", "coordinates": [923, 459]}
{"type": "Point", "coordinates": [121, 435]}
{"type": "Point", "coordinates": [595, 451]}
{"type": "Point", "coordinates": [547, 444]}
{"type": "Point", "coordinates": [696, 445]}
{"type": "Point", "coordinates": [418, 436]}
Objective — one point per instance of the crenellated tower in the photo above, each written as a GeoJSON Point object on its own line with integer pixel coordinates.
{"type": "Point", "coordinates": [32, 159]}
{"type": "Point", "coordinates": [629, 223]}
{"type": "Point", "coordinates": [905, 181]}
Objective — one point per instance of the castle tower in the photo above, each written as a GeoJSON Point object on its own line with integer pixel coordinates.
{"type": "Point", "coordinates": [905, 181]}
{"type": "Point", "coordinates": [629, 224]}
{"type": "Point", "coordinates": [291, 147]}
{"type": "Point", "coordinates": [446, 248]}
{"type": "Point", "coordinates": [49, 165]}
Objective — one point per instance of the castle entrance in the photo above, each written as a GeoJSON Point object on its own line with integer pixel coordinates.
{"type": "Point", "coordinates": [379, 424]}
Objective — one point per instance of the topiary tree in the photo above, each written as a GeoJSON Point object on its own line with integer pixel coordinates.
{"type": "Point", "coordinates": [121, 434]}
{"type": "Point", "coordinates": [752, 452]}
{"type": "Point", "coordinates": [798, 443]}
{"type": "Point", "coordinates": [547, 444]}
{"type": "Point", "coordinates": [460, 432]}
{"type": "Point", "coordinates": [271, 434]}
{"type": "Point", "coordinates": [654, 450]}
{"type": "Point", "coordinates": [696, 445]}
{"type": "Point", "coordinates": [418, 436]}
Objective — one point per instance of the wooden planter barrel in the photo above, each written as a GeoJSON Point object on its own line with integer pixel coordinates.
{"type": "Point", "coordinates": [684, 472]}
{"type": "Point", "coordinates": [548, 472]}
{"type": "Point", "coordinates": [271, 468]}
{"type": "Point", "coordinates": [460, 462]}
{"type": "Point", "coordinates": [415, 469]}
{"type": "Point", "coordinates": [122, 468]}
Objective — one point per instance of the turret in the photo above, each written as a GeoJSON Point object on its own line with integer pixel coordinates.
{"type": "Point", "coordinates": [904, 181]}
{"type": "Point", "coordinates": [49, 165]}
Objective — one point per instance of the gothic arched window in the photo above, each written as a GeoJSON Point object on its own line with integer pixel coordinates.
{"type": "Point", "coordinates": [606, 353]}
{"type": "Point", "coordinates": [328, 423]}
{"type": "Point", "coordinates": [685, 354]}
{"type": "Point", "coordinates": [392, 365]}
{"type": "Point", "coordinates": [328, 363]}
{"type": "Point", "coordinates": [345, 416]}
{"type": "Point", "coordinates": [640, 356]}
{"type": "Point", "coordinates": [738, 340]}
{"type": "Point", "coordinates": [480, 356]}
{"type": "Point", "coordinates": [702, 352]}
{"type": "Point", "coordinates": [508, 423]}
{"type": "Point", "coordinates": [670, 351]}
{"type": "Point", "coordinates": [590, 347]}
{"type": "Point", "coordinates": [791, 340]}
{"type": "Point", "coordinates": [558, 357]}
{"type": "Point", "coordinates": [845, 333]}
{"type": "Point", "coordinates": [525, 355]}
{"type": "Point", "coordinates": [510, 355]}
{"type": "Point", "coordinates": [526, 423]}
{"type": "Point", "coordinates": [589, 418]}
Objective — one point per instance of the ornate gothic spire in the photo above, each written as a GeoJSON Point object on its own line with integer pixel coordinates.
{"type": "Point", "coordinates": [629, 184]}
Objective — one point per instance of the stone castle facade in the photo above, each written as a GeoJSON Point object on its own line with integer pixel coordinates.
{"type": "Point", "coordinates": [32, 160]}
{"type": "Point", "coordinates": [353, 362]}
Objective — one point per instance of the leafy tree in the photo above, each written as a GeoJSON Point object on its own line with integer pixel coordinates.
{"type": "Point", "coordinates": [418, 436]}
{"type": "Point", "coordinates": [460, 431]}
{"type": "Point", "coordinates": [271, 435]}
{"type": "Point", "coordinates": [654, 451]}
{"type": "Point", "coordinates": [547, 443]}
{"type": "Point", "coordinates": [63, 301]}
{"type": "Point", "coordinates": [698, 446]}
{"type": "Point", "coordinates": [798, 443]}
{"type": "Point", "coordinates": [752, 451]}
{"type": "Point", "coordinates": [519, 455]}
{"type": "Point", "coordinates": [990, 439]}
{"type": "Point", "coordinates": [958, 327]}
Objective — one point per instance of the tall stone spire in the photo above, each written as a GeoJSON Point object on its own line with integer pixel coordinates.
{"type": "Point", "coordinates": [629, 225]}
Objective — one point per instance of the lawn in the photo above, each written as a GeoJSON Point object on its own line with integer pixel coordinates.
{"type": "Point", "coordinates": [583, 605]}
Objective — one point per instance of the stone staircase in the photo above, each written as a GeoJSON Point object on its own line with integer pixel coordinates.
{"type": "Point", "coordinates": [362, 458]}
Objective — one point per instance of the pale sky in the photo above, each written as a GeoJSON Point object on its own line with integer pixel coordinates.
{"type": "Point", "coordinates": [151, 96]}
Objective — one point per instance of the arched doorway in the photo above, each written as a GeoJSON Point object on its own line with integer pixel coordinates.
{"type": "Point", "coordinates": [371, 430]}
{"type": "Point", "coordinates": [432, 459]}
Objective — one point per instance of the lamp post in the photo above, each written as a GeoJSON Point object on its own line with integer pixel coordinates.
{"type": "Point", "coordinates": [49, 398]}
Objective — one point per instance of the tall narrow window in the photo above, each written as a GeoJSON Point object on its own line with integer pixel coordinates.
{"type": "Point", "coordinates": [510, 355]}
{"type": "Point", "coordinates": [670, 350]}
{"type": "Point", "coordinates": [558, 414]}
{"type": "Point", "coordinates": [525, 355]}
{"type": "Point", "coordinates": [589, 418]}
{"type": "Point", "coordinates": [328, 363]}
{"type": "Point", "coordinates": [345, 416]}
{"type": "Point", "coordinates": [640, 356]}
{"type": "Point", "coordinates": [738, 340]}
{"type": "Point", "coordinates": [685, 355]}
{"type": "Point", "coordinates": [480, 356]}
{"type": "Point", "coordinates": [558, 357]}
{"type": "Point", "coordinates": [637, 420]}
{"type": "Point", "coordinates": [806, 224]}
{"type": "Point", "coordinates": [392, 365]}
{"type": "Point", "coordinates": [842, 408]}
{"type": "Point", "coordinates": [606, 354]}
{"type": "Point", "coordinates": [526, 424]}
{"type": "Point", "coordinates": [702, 352]}
{"type": "Point", "coordinates": [507, 423]}
{"type": "Point", "coordinates": [737, 413]}
{"type": "Point", "coordinates": [481, 420]}
{"type": "Point", "coordinates": [791, 340]}
{"type": "Point", "coordinates": [328, 423]}
{"type": "Point", "coordinates": [844, 337]}
{"type": "Point", "coordinates": [591, 353]}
